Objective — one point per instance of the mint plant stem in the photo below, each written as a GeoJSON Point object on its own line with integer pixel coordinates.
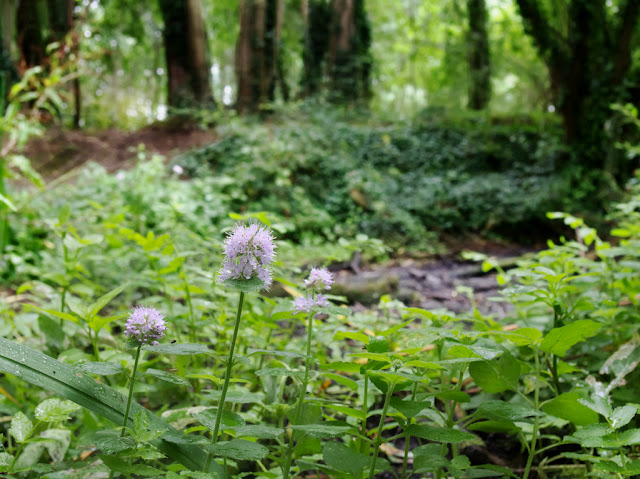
{"type": "Point", "coordinates": [383, 416]}
{"type": "Point", "coordinates": [126, 411]}
{"type": "Point", "coordinates": [225, 386]}
{"type": "Point", "coordinates": [303, 391]}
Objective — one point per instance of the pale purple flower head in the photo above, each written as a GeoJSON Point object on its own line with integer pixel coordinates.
{"type": "Point", "coordinates": [145, 325]}
{"type": "Point", "coordinates": [319, 279]}
{"type": "Point", "coordinates": [249, 251]}
{"type": "Point", "coordinates": [307, 303]}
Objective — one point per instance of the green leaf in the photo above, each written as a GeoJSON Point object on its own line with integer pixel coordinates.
{"type": "Point", "coordinates": [345, 459]}
{"type": "Point", "coordinates": [237, 397]}
{"type": "Point", "coordinates": [350, 383]}
{"type": "Point", "coordinates": [228, 420]}
{"type": "Point", "coordinates": [280, 372]}
{"type": "Point", "coordinates": [428, 458]}
{"type": "Point", "coordinates": [498, 410]}
{"type": "Point", "coordinates": [167, 377]}
{"type": "Point", "coordinates": [101, 368]}
{"type": "Point", "coordinates": [111, 443]}
{"type": "Point", "coordinates": [284, 354]}
{"type": "Point", "coordinates": [239, 449]}
{"type": "Point", "coordinates": [567, 406]}
{"type": "Point", "coordinates": [41, 370]}
{"type": "Point", "coordinates": [494, 426]}
{"type": "Point", "coordinates": [398, 327]}
{"type": "Point", "coordinates": [474, 352]}
{"type": "Point", "coordinates": [342, 366]}
{"type": "Point", "coordinates": [363, 338]}
{"type": "Point", "coordinates": [496, 376]}
{"type": "Point", "coordinates": [57, 314]}
{"type": "Point", "coordinates": [245, 285]}
{"type": "Point", "coordinates": [259, 431]}
{"type": "Point", "coordinates": [57, 443]}
{"type": "Point", "coordinates": [598, 404]}
{"type": "Point", "coordinates": [409, 408]}
{"type": "Point", "coordinates": [438, 434]}
{"type": "Point", "coordinates": [347, 411]}
{"type": "Point", "coordinates": [379, 345]}
{"type": "Point", "coordinates": [101, 302]}
{"type": "Point", "coordinates": [452, 395]}
{"type": "Point", "coordinates": [324, 430]}
{"type": "Point", "coordinates": [559, 340]}
{"type": "Point", "coordinates": [21, 427]}
{"type": "Point", "coordinates": [179, 349]}
{"type": "Point", "coordinates": [630, 437]}
{"type": "Point", "coordinates": [622, 416]}
{"type": "Point", "coordinates": [55, 410]}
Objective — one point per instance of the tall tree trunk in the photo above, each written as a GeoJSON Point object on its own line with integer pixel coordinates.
{"type": "Point", "coordinates": [257, 52]}
{"type": "Point", "coordinates": [30, 25]}
{"type": "Point", "coordinates": [316, 16]}
{"type": "Point", "coordinates": [185, 43]}
{"type": "Point", "coordinates": [478, 54]}
{"type": "Point", "coordinates": [349, 59]}
{"type": "Point", "coordinates": [587, 68]}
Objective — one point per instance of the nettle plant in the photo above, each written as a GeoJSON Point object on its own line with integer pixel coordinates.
{"type": "Point", "coordinates": [244, 384]}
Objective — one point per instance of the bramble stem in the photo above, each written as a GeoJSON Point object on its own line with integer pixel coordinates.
{"type": "Point", "coordinates": [225, 386]}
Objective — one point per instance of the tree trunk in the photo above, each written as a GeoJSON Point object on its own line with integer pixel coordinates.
{"type": "Point", "coordinates": [316, 16]}
{"type": "Point", "coordinates": [587, 69]}
{"type": "Point", "coordinates": [29, 22]}
{"type": "Point", "coordinates": [478, 54]}
{"type": "Point", "coordinates": [257, 52]}
{"type": "Point", "coordinates": [349, 59]}
{"type": "Point", "coordinates": [185, 43]}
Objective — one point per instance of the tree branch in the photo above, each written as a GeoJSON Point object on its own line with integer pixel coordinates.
{"type": "Point", "coordinates": [539, 28]}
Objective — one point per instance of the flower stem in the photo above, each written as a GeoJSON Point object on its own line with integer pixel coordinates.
{"type": "Point", "coordinates": [225, 386]}
{"type": "Point", "coordinates": [303, 391]}
{"type": "Point", "coordinates": [126, 411]}
{"type": "Point", "coordinates": [534, 438]}
{"type": "Point", "coordinates": [376, 446]}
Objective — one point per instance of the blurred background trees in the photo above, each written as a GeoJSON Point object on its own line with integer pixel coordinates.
{"type": "Point", "coordinates": [138, 62]}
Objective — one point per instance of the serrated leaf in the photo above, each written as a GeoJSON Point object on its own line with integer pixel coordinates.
{"type": "Point", "coordinates": [559, 340]}
{"type": "Point", "coordinates": [324, 430]}
{"type": "Point", "coordinates": [409, 408]}
{"type": "Point", "coordinates": [259, 431]}
{"type": "Point", "coordinates": [457, 396]}
{"type": "Point", "coordinates": [396, 328]}
{"type": "Point", "coordinates": [55, 410]}
{"type": "Point", "coordinates": [239, 449]}
{"type": "Point", "coordinates": [110, 443]}
{"type": "Point", "coordinates": [497, 375]}
{"type": "Point", "coordinates": [341, 366]}
{"type": "Point", "coordinates": [21, 427]}
{"type": "Point", "coordinates": [228, 420]}
{"type": "Point", "coordinates": [498, 410]}
{"type": "Point", "coordinates": [598, 404]}
{"type": "Point", "coordinates": [167, 377]}
{"type": "Point", "coordinates": [622, 415]}
{"type": "Point", "coordinates": [245, 285]}
{"type": "Point", "coordinates": [284, 354]}
{"type": "Point", "coordinates": [237, 397]}
{"type": "Point", "coordinates": [345, 459]}
{"type": "Point", "coordinates": [428, 458]}
{"type": "Point", "coordinates": [186, 349]}
{"type": "Point", "coordinates": [462, 351]}
{"type": "Point", "coordinates": [438, 434]}
{"type": "Point", "coordinates": [347, 411]}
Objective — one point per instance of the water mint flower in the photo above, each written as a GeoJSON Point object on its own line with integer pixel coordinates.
{"type": "Point", "coordinates": [319, 279]}
{"type": "Point", "coordinates": [249, 251]}
{"type": "Point", "coordinates": [307, 303]}
{"type": "Point", "coordinates": [145, 325]}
